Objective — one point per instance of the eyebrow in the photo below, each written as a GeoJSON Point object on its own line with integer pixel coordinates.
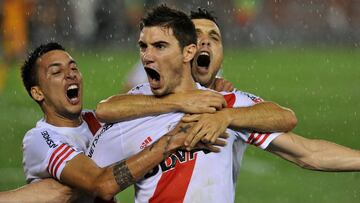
{"type": "Point", "coordinates": [159, 42]}
{"type": "Point", "coordinates": [59, 64]}
{"type": "Point", "coordinates": [211, 32]}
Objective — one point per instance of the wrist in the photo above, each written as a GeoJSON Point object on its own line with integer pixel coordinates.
{"type": "Point", "coordinates": [227, 115]}
{"type": "Point", "coordinates": [172, 102]}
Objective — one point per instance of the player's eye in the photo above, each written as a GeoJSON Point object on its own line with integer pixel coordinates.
{"type": "Point", "coordinates": [215, 37]}
{"type": "Point", "coordinates": [142, 46]}
{"type": "Point", "coordinates": [55, 70]}
{"type": "Point", "coordinates": [160, 46]}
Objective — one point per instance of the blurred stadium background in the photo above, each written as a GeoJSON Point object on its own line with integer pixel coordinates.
{"type": "Point", "coordinates": [301, 54]}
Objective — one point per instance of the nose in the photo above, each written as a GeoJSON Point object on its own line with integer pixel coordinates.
{"type": "Point", "coordinates": [147, 57]}
{"type": "Point", "coordinates": [71, 74]}
{"type": "Point", "coordinates": [204, 42]}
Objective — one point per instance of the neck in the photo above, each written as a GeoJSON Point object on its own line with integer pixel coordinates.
{"type": "Point", "coordinates": [62, 121]}
{"type": "Point", "coordinates": [187, 82]}
{"type": "Point", "coordinates": [59, 120]}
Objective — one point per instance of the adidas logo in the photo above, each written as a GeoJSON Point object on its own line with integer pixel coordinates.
{"type": "Point", "coordinates": [145, 143]}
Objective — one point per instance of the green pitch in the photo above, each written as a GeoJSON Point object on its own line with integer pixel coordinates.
{"type": "Point", "coordinates": [320, 85]}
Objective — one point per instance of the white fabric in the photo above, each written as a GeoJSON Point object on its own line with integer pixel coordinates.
{"type": "Point", "coordinates": [47, 148]}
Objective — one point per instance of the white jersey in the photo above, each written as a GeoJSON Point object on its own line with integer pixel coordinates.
{"type": "Point", "coordinates": [47, 148]}
{"type": "Point", "coordinates": [196, 176]}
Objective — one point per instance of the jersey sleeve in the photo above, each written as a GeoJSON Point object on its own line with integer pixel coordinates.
{"type": "Point", "coordinates": [45, 154]}
{"type": "Point", "coordinates": [258, 139]}
{"type": "Point", "coordinates": [243, 99]}
{"type": "Point", "coordinates": [238, 98]}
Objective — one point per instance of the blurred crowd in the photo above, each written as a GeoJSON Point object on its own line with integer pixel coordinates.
{"type": "Point", "coordinates": [113, 23]}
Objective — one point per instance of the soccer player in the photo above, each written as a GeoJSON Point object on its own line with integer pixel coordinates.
{"type": "Point", "coordinates": [167, 45]}
{"type": "Point", "coordinates": [54, 148]}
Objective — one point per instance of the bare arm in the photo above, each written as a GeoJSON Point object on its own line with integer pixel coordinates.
{"type": "Point", "coordinates": [125, 107]}
{"type": "Point", "coordinates": [47, 190]}
{"type": "Point", "coordinates": [81, 172]}
{"type": "Point", "coordinates": [315, 154]}
{"type": "Point", "coordinates": [264, 116]}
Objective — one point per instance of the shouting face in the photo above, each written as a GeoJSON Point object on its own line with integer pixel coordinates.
{"type": "Point", "coordinates": [162, 59]}
{"type": "Point", "coordinates": [209, 57]}
{"type": "Point", "coordinates": [60, 85]}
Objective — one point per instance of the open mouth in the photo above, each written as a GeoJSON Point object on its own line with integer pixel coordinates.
{"type": "Point", "coordinates": [72, 93]}
{"type": "Point", "coordinates": [203, 62]}
{"type": "Point", "coordinates": [153, 74]}
{"type": "Point", "coordinates": [153, 77]}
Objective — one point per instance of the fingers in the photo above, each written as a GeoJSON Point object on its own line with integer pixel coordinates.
{"type": "Point", "coordinates": [192, 135]}
{"type": "Point", "coordinates": [220, 142]}
{"type": "Point", "coordinates": [228, 87]}
{"type": "Point", "coordinates": [219, 85]}
{"type": "Point", "coordinates": [190, 118]}
{"type": "Point", "coordinates": [212, 148]}
{"type": "Point", "coordinates": [224, 135]}
{"type": "Point", "coordinates": [209, 147]}
{"type": "Point", "coordinates": [197, 138]}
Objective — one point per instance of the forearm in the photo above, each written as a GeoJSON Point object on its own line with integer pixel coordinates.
{"type": "Point", "coordinates": [265, 116]}
{"type": "Point", "coordinates": [140, 164]}
{"type": "Point", "coordinates": [328, 156]}
{"type": "Point", "coordinates": [18, 195]}
{"type": "Point", "coordinates": [315, 154]}
{"type": "Point", "coordinates": [126, 107]}
{"type": "Point", "coordinates": [47, 190]}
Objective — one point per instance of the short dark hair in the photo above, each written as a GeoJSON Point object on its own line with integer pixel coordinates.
{"type": "Point", "coordinates": [29, 73]}
{"type": "Point", "coordinates": [178, 21]}
{"type": "Point", "coordinates": [202, 13]}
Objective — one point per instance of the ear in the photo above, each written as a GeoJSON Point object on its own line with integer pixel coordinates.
{"type": "Point", "coordinates": [36, 93]}
{"type": "Point", "coordinates": [189, 52]}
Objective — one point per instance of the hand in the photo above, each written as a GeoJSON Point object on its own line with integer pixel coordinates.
{"type": "Point", "coordinates": [181, 132]}
{"type": "Point", "coordinates": [223, 85]}
{"type": "Point", "coordinates": [198, 101]}
{"type": "Point", "coordinates": [212, 147]}
{"type": "Point", "coordinates": [207, 129]}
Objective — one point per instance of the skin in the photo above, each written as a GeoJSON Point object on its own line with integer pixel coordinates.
{"type": "Point", "coordinates": [210, 41]}
{"type": "Point", "coordinates": [159, 51]}
{"type": "Point", "coordinates": [57, 70]}
{"type": "Point", "coordinates": [50, 190]}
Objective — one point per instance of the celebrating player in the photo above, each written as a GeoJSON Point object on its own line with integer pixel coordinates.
{"type": "Point", "coordinates": [167, 45]}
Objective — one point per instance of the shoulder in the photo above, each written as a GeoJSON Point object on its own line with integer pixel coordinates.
{"type": "Point", "coordinates": [41, 136]}
{"type": "Point", "coordinates": [238, 98]}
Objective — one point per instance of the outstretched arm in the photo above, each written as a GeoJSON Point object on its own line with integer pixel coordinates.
{"type": "Point", "coordinates": [46, 190]}
{"type": "Point", "coordinates": [126, 107]}
{"type": "Point", "coordinates": [315, 154]}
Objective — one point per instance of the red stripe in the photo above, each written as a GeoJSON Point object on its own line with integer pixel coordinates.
{"type": "Point", "coordinates": [56, 159]}
{"type": "Point", "coordinates": [263, 140]}
{"type": "Point", "coordinates": [62, 160]}
{"type": "Point", "coordinates": [250, 138]}
{"type": "Point", "coordinates": [230, 100]}
{"type": "Point", "coordinates": [53, 155]}
{"type": "Point", "coordinates": [92, 122]}
{"type": "Point", "coordinates": [173, 184]}
{"type": "Point", "coordinates": [256, 138]}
